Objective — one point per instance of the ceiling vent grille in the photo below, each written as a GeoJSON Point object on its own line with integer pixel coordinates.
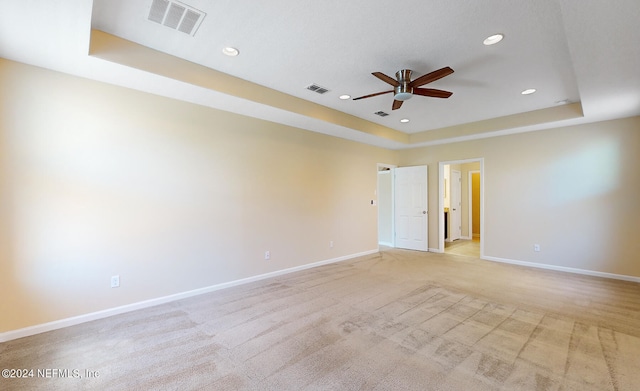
{"type": "Point", "coordinates": [176, 15]}
{"type": "Point", "coordinates": [317, 88]}
{"type": "Point", "coordinates": [381, 113]}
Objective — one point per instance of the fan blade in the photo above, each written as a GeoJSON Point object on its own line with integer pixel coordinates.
{"type": "Point", "coordinates": [431, 77]}
{"type": "Point", "coordinates": [432, 92]}
{"type": "Point", "coordinates": [372, 95]}
{"type": "Point", "coordinates": [386, 79]}
{"type": "Point", "coordinates": [396, 104]}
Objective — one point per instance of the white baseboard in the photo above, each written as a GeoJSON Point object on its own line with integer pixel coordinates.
{"type": "Point", "coordinates": [564, 269]}
{"type": "Point", "coordinates": [436, 250]}
{"type": "Point", "coordinates": [58, 324]}
{"type": "Point", "coordinates": [388, 244]}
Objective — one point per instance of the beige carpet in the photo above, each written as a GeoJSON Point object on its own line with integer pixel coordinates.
{"type": "Point", "coordinates": [398, 320]}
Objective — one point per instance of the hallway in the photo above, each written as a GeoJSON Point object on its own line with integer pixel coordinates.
{"type": "Point", "coordinates": [469, 248]}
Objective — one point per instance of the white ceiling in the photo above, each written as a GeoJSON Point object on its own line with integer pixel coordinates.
{"type": "Point", "coordinates": [585, 51]}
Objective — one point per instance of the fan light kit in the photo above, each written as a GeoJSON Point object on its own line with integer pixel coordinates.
{"type": "Point", "coordinates": [404, 88]}
{"type": "Point", "coordinates": [528, 91]}
{"type": "Point", "coordinates": [492, 40]}
{"type": "Point", "coordinates": [345, 97]}
{"type": "Point", "coordinates": [231, 52]}
{"type": "Point", "coordinates": [404, 120]}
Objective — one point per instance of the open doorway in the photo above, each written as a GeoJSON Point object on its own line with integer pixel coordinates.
{"type": "Point", "coordinates": [460, 207]}
{"type": "Point", "coordinates": [474, 203]}
{"type": "Point", "coordinates": [384, 195]}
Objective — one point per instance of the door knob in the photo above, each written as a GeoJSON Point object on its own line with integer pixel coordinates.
{"type": "Point", "coordinates": [424, 212]}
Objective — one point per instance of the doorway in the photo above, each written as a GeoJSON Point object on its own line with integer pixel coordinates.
{"type": "Point", "coordinates": [384, 195]}
{"type": "Point", "coordinates": [463, 234]}
{"type": "Point", "coordinates": [453, 212]}
{"type": "Point", "coordinates": [474, 203]}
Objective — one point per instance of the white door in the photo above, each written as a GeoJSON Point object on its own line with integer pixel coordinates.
{"type": "Point", "coordinates": [411, 207]}
{"type": "Point", "coordinates": [455, 229]}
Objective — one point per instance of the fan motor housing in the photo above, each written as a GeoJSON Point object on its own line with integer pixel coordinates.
{"type": "Point", "coordinates": [403, 92]}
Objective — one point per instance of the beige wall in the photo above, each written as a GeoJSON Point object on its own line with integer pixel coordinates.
{"type": "Point", "coordinates": [464, 169]}
{"type": "Point", "coordinates": [98, 180]}
{"type": "Point", "coordinates": [572, 190]}
{"type": "Point", "coordinates": [475, 210]}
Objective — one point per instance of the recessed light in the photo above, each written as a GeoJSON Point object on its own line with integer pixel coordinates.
{"type": "Point", "coordinates": [404, 120]}
{"type": "Point", "coordinates": [492, 40]}
{"type": "Point", "coordinates": [345, 97]}
{"type": "Point", "coordinates": [231, 52]}
{"type": "Point", "coordinates": [528, 91]}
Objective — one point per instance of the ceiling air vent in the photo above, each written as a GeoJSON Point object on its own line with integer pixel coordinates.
{"type": "Point", "coordinates": [381, 113]}
{"type": "Point", "coordinates": [176, 15]}
{"type": "Point", "coordinates": [317, 88]}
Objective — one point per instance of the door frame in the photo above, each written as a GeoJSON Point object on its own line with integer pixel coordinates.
{"type": "Point", "coordinates": [440, 212]}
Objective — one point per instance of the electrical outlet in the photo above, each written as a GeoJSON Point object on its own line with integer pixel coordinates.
{"type": "Point", "coordinates": [267, 254]}
{"type": "Point", "coordinates": [115, 281]}
{"type": "Point", "coordinates": [536, 247]}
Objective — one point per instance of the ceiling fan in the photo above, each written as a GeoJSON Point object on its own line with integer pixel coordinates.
{"type": "Point", "coordinates": [404, 88]}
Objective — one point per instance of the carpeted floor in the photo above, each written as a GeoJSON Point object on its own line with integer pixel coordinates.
{"type": "Point", "coordinates": [396, 320]}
